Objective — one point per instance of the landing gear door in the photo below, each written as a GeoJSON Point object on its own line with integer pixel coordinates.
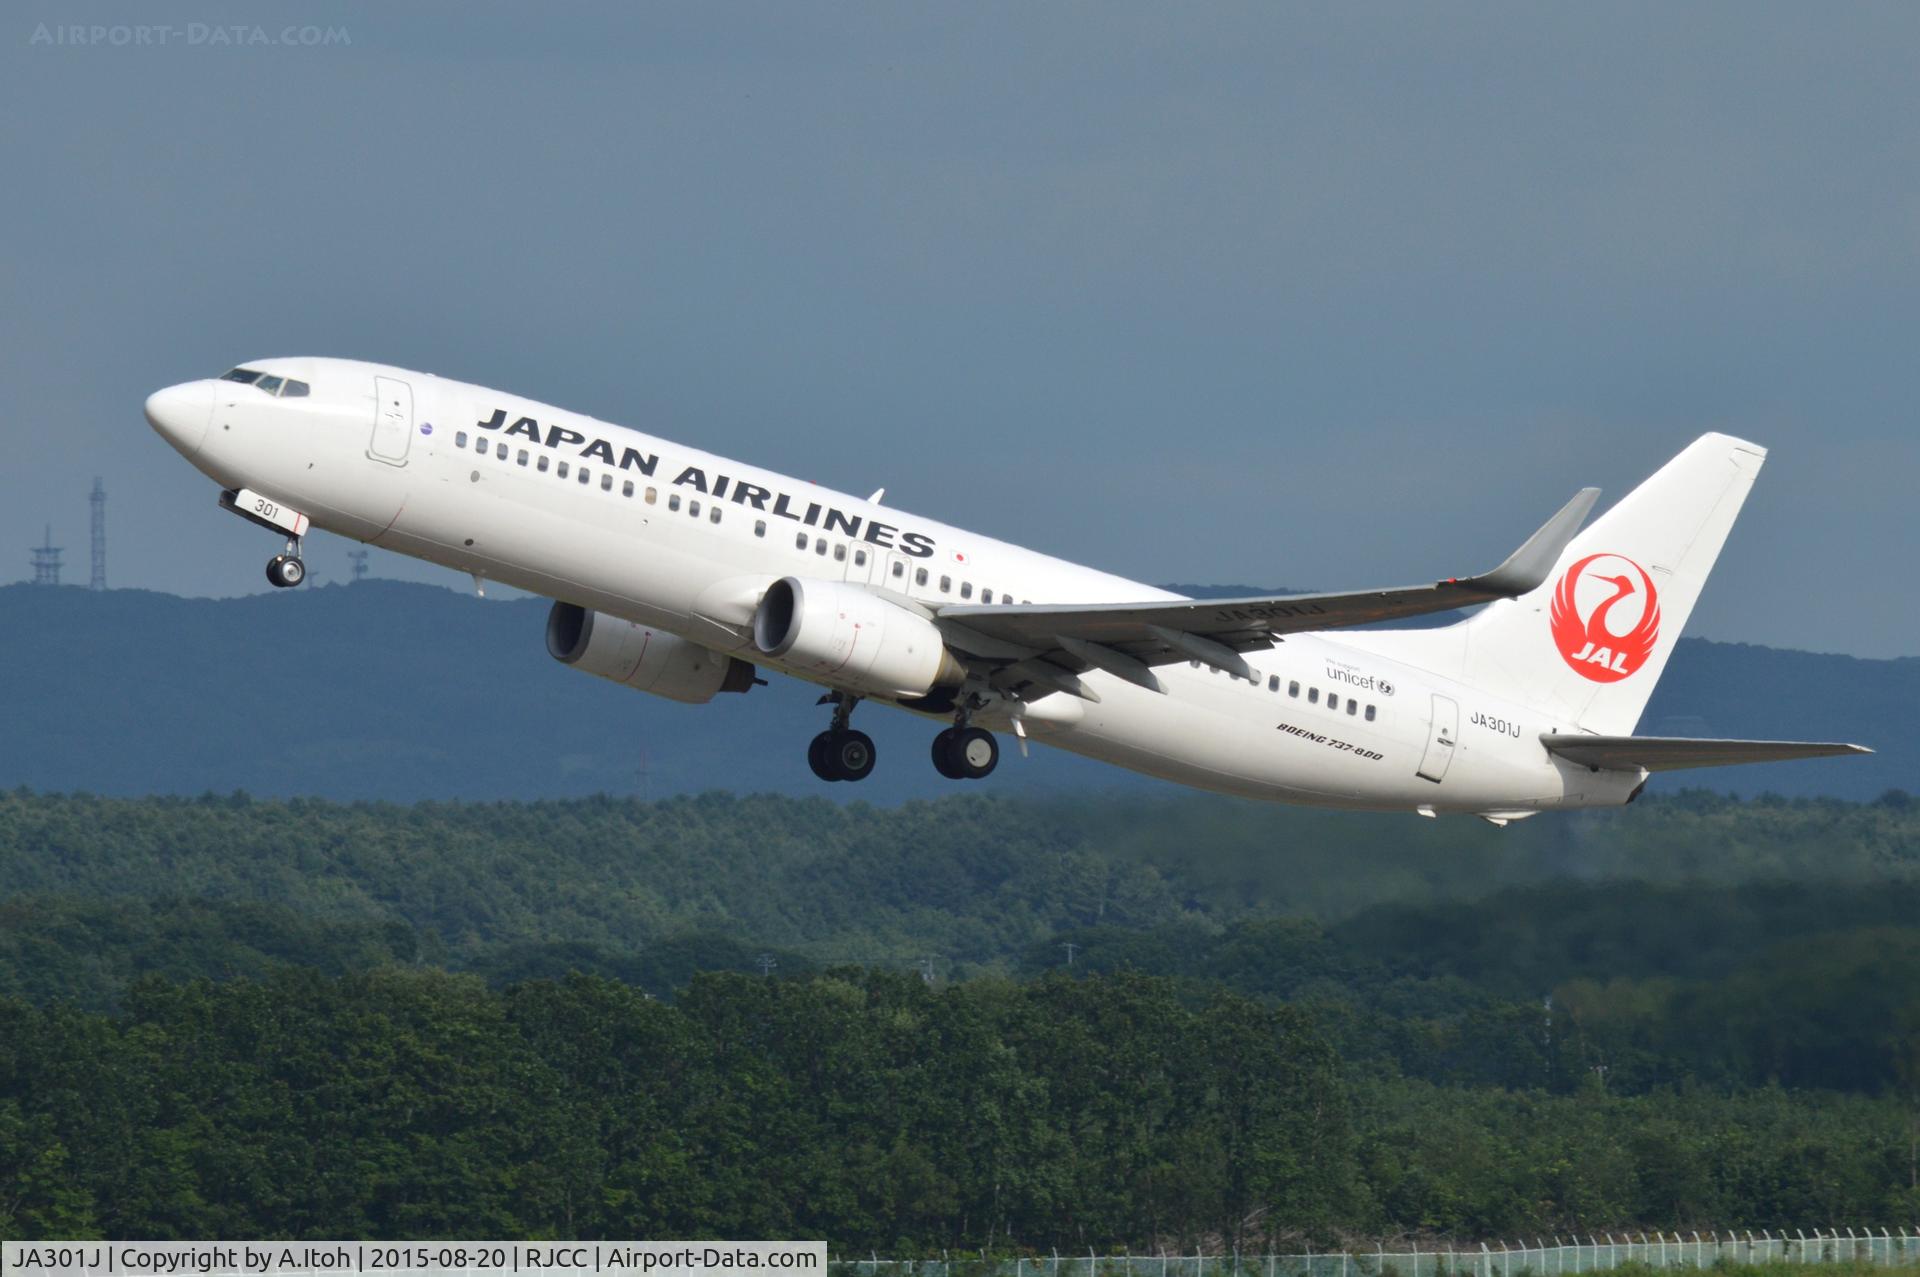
{"type": "Point", "coordinates": [1440, 740]}
{"type": "Point", "coordinates": [392, 421]}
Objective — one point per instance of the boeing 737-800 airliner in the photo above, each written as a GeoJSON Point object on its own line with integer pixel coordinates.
{"type": "Point", "coordinates": [678, 572]}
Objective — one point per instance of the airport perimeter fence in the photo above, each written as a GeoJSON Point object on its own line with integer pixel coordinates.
{"type": "Point", "coordinates": [1541, 1257]}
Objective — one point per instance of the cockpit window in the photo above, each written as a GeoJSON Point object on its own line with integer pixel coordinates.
{"type": "Point", "coordinates": [285, 388]}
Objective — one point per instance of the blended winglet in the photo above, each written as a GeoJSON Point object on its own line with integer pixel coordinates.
{"type": "Point", "coordinates": [1530, 565]}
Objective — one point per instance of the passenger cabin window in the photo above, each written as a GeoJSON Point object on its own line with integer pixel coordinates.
{"type": "Point", "coordinates": [652, 496]}
{"type": "Point", "coordinates": [946, 585]}
{"type": "Point", "coordinates": [1293, 688]}
{"type": "Point", "coordinates": [1313, 696]}
{"type": "Point", "coordinates": [522, 457]}
{"type": "Point", "coordinates": [1353, 706]}
{"type": "Point", "coordinates": [759, 527]}
{"type": "Point", "coordinates": [1273, 682]}
{"type": "Point", "coordinates": [1369, 713]}
{"type": "Point", "coordinates": [542, 464]}
{"type": "Point", "coordinates": [966, 589]}
{"type": "Point", "coordinates": [986, 596]}
{"type": "Point", "coordinates": [563, 469]}
{"type": "Point", "coordinates": [800, 541]}
{"type": "Point", "coordinates": [673, 501]}
{"type": "Point", "coordinates": [859, 558]}
{"type": "Point", "coordinates": [920, 576]}
{"type": "Point", "coordinates": [693, 508]}
{"type": "Point", "coordinates": [606, 481]}
{"type": "Point", "coordinates": [626, 487]}
{"type": "Point", "coordinates": [839, 552]}
{"type": "Point", "coordinates": [1333, 702]}
{"type": "Point", "coordinates": [586, 475]}
{"type": "Point", "coordinates": [899, 568]}
{"type": "Point", "coordinates": [713, 513]}
{"type": "Point", "coordinates": [460, 441]}
{"type": "Point", "coordinates": [500, 451]}
{"type": "Point", "coordinates": [820, 546]}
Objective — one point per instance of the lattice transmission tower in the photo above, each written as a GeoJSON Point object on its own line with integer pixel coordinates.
{"type": "Point", "coordinates": [98, 500]}
{"type": "Point", "coordinates": [46, 561]}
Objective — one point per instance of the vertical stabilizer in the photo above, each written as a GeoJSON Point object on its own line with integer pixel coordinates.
{"type": "Point", "coordinates": [1589, 644]}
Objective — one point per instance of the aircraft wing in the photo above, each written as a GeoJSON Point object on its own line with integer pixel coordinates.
{"type": "Point", "coordinates": [1043, 642]}
{"type": "Point", "coordinates": [1671, 753]}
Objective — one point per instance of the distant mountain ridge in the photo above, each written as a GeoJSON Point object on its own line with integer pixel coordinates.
{"type": "Point", "coordinates": [402, 692]}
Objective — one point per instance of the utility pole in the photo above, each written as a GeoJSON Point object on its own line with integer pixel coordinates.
{"type": "Point", "coordinates": [767, 964]}
{"type": "Point", "coordinates": [359, 558]}
{"type": "Point", "coordinates": [1070, 947]}
{"type": "Point", "coordinates": [98, 500]}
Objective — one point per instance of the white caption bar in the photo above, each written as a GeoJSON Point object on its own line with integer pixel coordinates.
{"type": "Point", "coordinates": [381, 1259]}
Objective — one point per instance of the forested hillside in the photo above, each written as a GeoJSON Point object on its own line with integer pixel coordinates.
{"type": "Point", "coordinates": [869, 1109]}
{"type": "Point", "coordinates": [1669, 935]}
{"type": "Point", "coordinates": [974, 1022]}
{"type": "Point", "coordinates": [392, 691]}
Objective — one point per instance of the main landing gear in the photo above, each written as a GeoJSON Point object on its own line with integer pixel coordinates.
{"type": "Point", "coordinates": [963, 751]}
{"type": "Point", "coordinates": [840, 752]}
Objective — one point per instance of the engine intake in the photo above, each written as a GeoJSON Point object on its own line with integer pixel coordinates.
{"type": "Point", "coordinates": [853, 639]}
{"type": "Point", "coordinates": [640, 657]}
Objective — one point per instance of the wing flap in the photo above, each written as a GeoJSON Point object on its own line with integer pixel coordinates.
{"type": "Point", "coordinates": [1672, 753]}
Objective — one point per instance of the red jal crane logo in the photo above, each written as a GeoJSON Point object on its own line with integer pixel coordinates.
{"type": "Point", "coordinates": [1591, 646]}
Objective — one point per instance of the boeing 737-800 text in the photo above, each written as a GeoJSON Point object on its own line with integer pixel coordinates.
{"type": "Point", "coordinates": [678, 572]}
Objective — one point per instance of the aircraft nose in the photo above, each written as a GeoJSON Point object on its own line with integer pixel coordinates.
{"type": "Point", "coordinates": [181, 414]}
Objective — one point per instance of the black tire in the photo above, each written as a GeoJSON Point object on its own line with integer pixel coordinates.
{"type": "Point", "coordinates": [852, 754]}
{"type": "Point", "coordinates": [943, 754]}
{"type": "Point", "coordinates": [818, 759]}
{"type": "Point", "coordinates": [284, 571]}
{"type": "Point", "coordinates": [975, 753]}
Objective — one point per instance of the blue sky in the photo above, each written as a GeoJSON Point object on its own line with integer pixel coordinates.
{"type": "Point", "coordinates": [1327, 296]}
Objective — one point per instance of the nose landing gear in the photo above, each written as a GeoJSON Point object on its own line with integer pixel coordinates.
{"type": "Point", "coordinates": [286, 569]}
{"type": "Point", "coordinates": [840, 752]}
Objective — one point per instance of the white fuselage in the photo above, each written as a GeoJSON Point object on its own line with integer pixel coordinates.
{"type": "Point", "coordinates": [472, 478]}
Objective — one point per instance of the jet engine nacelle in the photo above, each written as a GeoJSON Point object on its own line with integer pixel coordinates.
{"type": "Point", "coordinates": [853, 639]}
{"type": "Point", "coordinates": [641, 657]}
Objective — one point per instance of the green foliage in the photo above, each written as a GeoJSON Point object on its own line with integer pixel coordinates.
{"type": "Point", "coordinates": [870, 1108]}
{"type": "Point", "coordinates": [229, 1017]}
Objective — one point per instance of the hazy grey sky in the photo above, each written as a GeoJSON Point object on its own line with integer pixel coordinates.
{"type": "Point", "coordinates": [1326, 296]}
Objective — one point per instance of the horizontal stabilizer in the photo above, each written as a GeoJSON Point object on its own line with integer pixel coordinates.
{"type": "Point", "coordinates": [1671, 753]}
